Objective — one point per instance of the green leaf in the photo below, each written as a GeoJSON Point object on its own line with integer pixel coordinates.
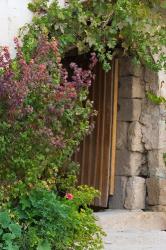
{"type": "Point", "coordinates": [44, 246]}
{"type": "Point", "coordinates": [10, 246]}
{"type": "Point", "coordinates": [4, 219]}
{"type": "Point", "coordinates": [15, 229]}
{"type": "Point", "coordinates": [163, 5]}
{"type": "Point", "coordinates": [8, 237]}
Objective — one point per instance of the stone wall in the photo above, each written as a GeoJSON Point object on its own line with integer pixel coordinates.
{"type": "Point", "coordinates": [141, 141]}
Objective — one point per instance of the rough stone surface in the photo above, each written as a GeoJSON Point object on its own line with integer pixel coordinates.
{"type": "Point", "coordinates": [162, 134]}
{"type": "Point", "coordinates": [144, 169]}
{"type": "Point", "coordinates": [153, 124]}
{"type": "Point", "coordinates": [122, 132]}
{"type": "Point", "coordinates": [133, 230]}
{"type": "Point", "coordinates": [127, 67]}
{"type": "Point", "coordinates": [135, 193]}
{"type": "Point", "coordinates": [126, 220]}
{"type": "Point", "coordinates": [151, 80]}
{"type": "Point", "coordinates": [163, 110]}
{"type": "Point", "coordinates": [153, 191]}
{"type": "Point", "coordinates": [141, 138]}
{"type": "Point", "coordinates": [129, 109]}
{"type": "Point", "coordinates": [128, 163]}
{"type": "Point", "coordinates": [158, 208]}
{"type": "Point", "coordinates": [150, 129]}
{"type": "Point", "coordinates": [131, 87]}
{"type": "Point", "coordinates": [156, 163]}
{"type": "Point", "coordinates": [135, 240]}
{"type": "Point", "coordinates": [135, 137]}
{"type": "Point", "coordinates": [156, 188]}
{"type": "Point", "coordinates": [117, 200]}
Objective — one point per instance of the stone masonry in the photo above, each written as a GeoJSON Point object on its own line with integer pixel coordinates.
{"type": "Point", "coordinates": [141, 141]}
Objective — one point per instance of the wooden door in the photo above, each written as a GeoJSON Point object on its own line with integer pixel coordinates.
{"type": "Point", "coordinates": [97, 152]}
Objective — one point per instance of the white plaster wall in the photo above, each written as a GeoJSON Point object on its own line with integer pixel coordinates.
{"type": "Point", "coordinates": [62, 2]}
{"type": "Point", "coordinates": [13, 15]}
{"type": "Point", "coordinates": [162, 84]}
{"type": "Point", "coordinates": [162, 78]}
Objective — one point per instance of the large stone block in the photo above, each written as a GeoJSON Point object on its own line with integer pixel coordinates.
{"type": "Point", "coordinates": [158, 208]}
{"type": "Point", "coordinates": [153, 126]}
{"type": "Point", "coordinates": [151, 80]}
{"type": "Point", "coordinates": [156, 188]}
{"type": "Point", "coordinates": [135, 193]}
{"type": "Point", "coordinates": [127, 67]}
{"type": "Point", "coordinates": [163, 111]}
{"type": "Point", "coordinates": [129, 109]}
{"type": "Point", "coordinates": [135, 137]}
{"type": "Point", "coordinates": [156, 163]}
{"type": "Point", "coordinates": [131, 87]}
{"type": "Point", "coordinates": [117, 200]}
{"type": "Point", "coordinates": [150, 130]}
{"type": "Point", "coordinates": [122, 132]}
{"type": "Point", "coordinates": [162, 134]}
{"type": "Point", "coordinates": [129, 163]}
{"type": "Point", "coordinates": [144, 169]}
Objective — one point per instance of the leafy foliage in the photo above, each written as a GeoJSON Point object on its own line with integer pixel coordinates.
{"type": "Point", "coordinates": [156, 99]}
{"type": "Point", "coordinates": [137, 27]}
{"type": "Point", "coordinates": [49, 222]}
{"type": "Point", "coordinates": [44, 114]}
{"type": "Point", "coordinates": [10, 232]}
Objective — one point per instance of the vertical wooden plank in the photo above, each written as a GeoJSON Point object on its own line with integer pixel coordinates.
{"type": "Point", "coordinates": [96, 151]}
{"type": "Point", "coordinates": [95, 98]}
{"type": "Point", "coordinates": [106, 161]}
{"type": "Point", "coordinates": [114, 128]}
{"type": "Point", "coordinates": [93, 136]}
{"type": "Point", "coordinates": [100, 136]}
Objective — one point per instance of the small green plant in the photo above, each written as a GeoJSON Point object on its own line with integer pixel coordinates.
{"type": "Point", "coordinates": [50, 222]}
{"type": "Point", "coordinates": [156, 99]}
{"type": "Point", "coordinates": [10, 232]}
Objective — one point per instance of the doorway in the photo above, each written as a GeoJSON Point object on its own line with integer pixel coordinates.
{"type": "Point", "coordinates": [96, 155]}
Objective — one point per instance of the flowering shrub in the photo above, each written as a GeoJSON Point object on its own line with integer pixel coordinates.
{"type": "Point", "coordinates": [44, 114]}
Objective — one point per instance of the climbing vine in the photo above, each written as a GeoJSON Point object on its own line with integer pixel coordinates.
{"type": "Point", "coordinates": [137, 28]}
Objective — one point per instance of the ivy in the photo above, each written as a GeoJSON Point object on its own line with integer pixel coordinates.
{"type": "Point", "coordinates": [107, 27]}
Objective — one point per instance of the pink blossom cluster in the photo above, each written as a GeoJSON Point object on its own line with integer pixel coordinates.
{"type": "Point", "coordinates": [20, 81]}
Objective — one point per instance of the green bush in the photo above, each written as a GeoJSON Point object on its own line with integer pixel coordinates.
{"type": "Point", "coordinates": [42, 220]}
{"type": "Point", "coordinates": [50, 222]}
{"type": "Point", "coordinates": [44, 114]}
{"type": "Point", "coordinates": [10, 232]}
